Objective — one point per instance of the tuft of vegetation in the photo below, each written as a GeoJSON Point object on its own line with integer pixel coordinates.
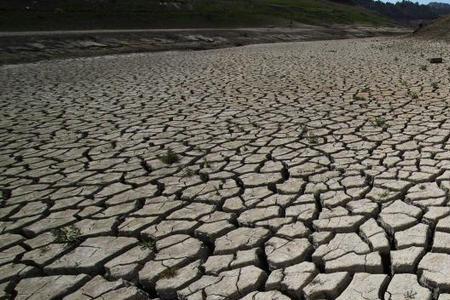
{"type": "Point", "coordinates": [44, 249]}
{"type": "Point", "coordinates": [423, 67]}
{"type": "Point", "coordinates": [205, 163]}
{"type": "Point", "coordinates": [148, 244]}
{"type": "Point", "coordinates": [306, 133]}
{"type": "Point", "coordinates": [217, 191]}
{"type": "Point", "coordinates": [313, 139]}
{"type": "Point", "coordinates": [379, 122]}
{"type": "Point", "coordinates": [67, 235]}
{"type": "Point", "coordinates": [410, 295]}
{"type": "Point", "coordinates": [358, 98]}
{"type": "Point", "coordinates": [316, 281]}
{"type": "Point", "coordinates": [413, 95]}
{"type": "Point", "coordinates": [203, 176]}
{"type": "Point", "coordinates": [384, 194]}
{"type": "Point", "coordinates": [170, 157]}
{"type": "Point", "coordinates": [170, 272]}
{"type": "Point", "coordinates": [188, 172]}
{"type": "Point", "coordinates": [434, 85]}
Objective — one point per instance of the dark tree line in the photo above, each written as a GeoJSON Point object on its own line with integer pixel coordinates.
{"type": "Point", "coordinates": [404, 11]}
{"type": "Point", "coordinates": [440, 8]}
{"type": "Point", "coordinates": [401, 11]}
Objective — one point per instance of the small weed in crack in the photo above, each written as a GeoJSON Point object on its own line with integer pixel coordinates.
{"type": "Point", "coordinates": [148, 244]}
{"type": "Point", "coordinates": [169, 273]}
{"type": "Point", "coordinates": [67, 235]}
{"type": "Point", "coordinates": [170, 157]}
{"type": "Point", "coordinates": [379, 122]}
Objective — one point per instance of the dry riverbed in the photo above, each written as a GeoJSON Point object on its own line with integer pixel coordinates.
{"type": "Point", "coordinates": [310, 170]}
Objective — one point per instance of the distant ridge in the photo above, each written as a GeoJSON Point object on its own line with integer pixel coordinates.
{"type": "Point", "coordinates": [123, 14]}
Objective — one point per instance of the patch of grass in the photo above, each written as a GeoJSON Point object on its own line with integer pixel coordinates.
{"type": "Point", "coordinates": [365, 90]}
{"type": "Point", "coordinates": [188, 172]}
{"type": "Point", "coordinates": [217, 191]}
{"type": "Point", "coordinates": [358, 98]}
{"type": "Point", "coordinates": [384, 194]}
{"type": "Point", "coordinates": [379, 122]}
{"type": "Point", "coordinates": [67, 235]}
{"type": "Point", "coordinates": [205, 163]}
{"type": "Point", "coordinates": [44, 249]}
{"type": "Point", "coordinates": [170, 157]}
{"type": "Point", "coordinates": [239, 151]}
{"type": "Point", "coordinates": [316, 281]}
{"type": "Point", "coordinates": [410, 294]}
{"type": "Point", "coordinates": [148, 244]}
{"type": "Point", "coordinates": [312, 139]}
{"type": "Point", "coordinates": [203, 176]}
{"type": "Point", "coordinates": [169, 273]}
{"type": "Point", "coordinates": [413, 95]}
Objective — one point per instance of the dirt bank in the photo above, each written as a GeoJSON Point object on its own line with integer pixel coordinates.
{"type": "Point", "coordinates": [20, 47]}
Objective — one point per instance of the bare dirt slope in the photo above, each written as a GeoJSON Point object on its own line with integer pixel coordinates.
{"type": "Point", "coordinates": [18, 47]}
{"type": "Point", "coordinates": [440, 29]}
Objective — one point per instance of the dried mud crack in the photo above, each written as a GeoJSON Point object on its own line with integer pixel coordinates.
{"type": "Point", "coordinates": [315, 170]}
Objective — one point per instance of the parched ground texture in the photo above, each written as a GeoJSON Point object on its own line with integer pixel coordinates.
{"type": "Point", "coordinates": [316, 170]}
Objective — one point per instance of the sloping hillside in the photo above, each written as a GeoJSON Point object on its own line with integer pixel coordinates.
{"type": "Point", "coordinates": [439, 29]}
{"type": "Point", "coordinates": [92, 14]}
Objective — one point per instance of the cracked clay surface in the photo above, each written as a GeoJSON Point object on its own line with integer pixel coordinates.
{"type": "Point", "coordinates": [314, 170]}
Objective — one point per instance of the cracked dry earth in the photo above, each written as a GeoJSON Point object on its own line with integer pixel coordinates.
{"type": "Point", "coordinates": [316, 170]}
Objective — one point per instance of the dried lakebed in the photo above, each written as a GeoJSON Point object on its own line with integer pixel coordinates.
{"type": "Point", "coordinates": [316, 170]}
